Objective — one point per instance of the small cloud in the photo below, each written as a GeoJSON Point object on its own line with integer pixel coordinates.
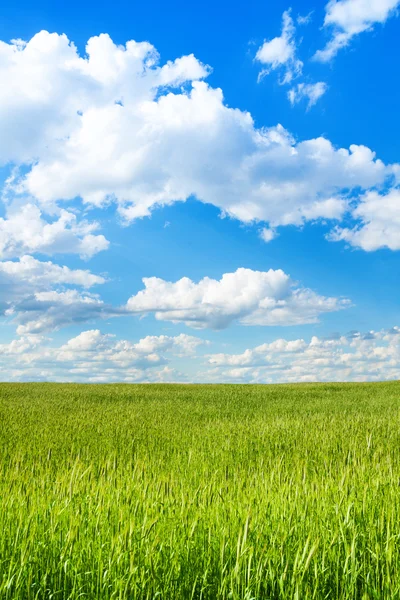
{"type": "Point", "coordinates": [350, 18]}
{"type": "Point", "coordinates": [267, 234]}
{"type": "Point", "coordinates": [280, 52]}
{"type": "Point", "coordinates": [310, 91]}
{"type": "Point", "coordinates": [306, 19]}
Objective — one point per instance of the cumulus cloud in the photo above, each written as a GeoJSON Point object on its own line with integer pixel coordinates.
{"type": "Point", "coordinates": [41, 297]}
{"type": "Point", "coordinates": [48, 87]}
{"type": "Point", "coordinates": [267, 234]}
{"type": "Point", "coordinates": [378, 217]}
{"type": "Point", "coordinates": [49, 311]}
{"type": "Point", "coordinates": [25, 231]}
{"type": "Point", "coordinates": [247, 296]}
{"type": "Point", "coordinates": [36, 274]}
{"type": "Point", "coordinates": [280, 52]}
{"type": "Point", "coordinates": [94, 356]}
{"type": "Point", "coordinates": [95, 341]}
{"type": "Point", "coordinates": [37, 295]}
{"type": "Point", "coordinates": [115, 126]}
{"type": "Point", "coordinates": [354, 357]}
{"type": "Point", "coordinates": [351, 17]}
{"type": "Point", "coordinates": [182, 345]}
{"type": "Point", "coordinates": [311, 92]}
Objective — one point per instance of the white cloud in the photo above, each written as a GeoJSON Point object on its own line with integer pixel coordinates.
{"type": "Point", "coordinates": [25, 231]}
{"type": "Point", "coordinates": [183, 345]}
{"type": "Point", "coordinates": [94, 356]}
{"type": "Point", "coordinates": [51, 310]}
{"type": "Point", "coordinates": [250, 297]}
{"type": "Point", "coordinates": [355, 357]}
{"type": "Point", "coordinates": [116, 127]}
{"type": "Point", "coordinates": [37, 296]}
{"type": "Point", "coordinates": [281, 52]}
{"type": "Point", "coordinates": [40, 297]}
{"type": "Point", "coordinates": [267, 234]}
{"type": "Point", "coordinates": [35, 275]}
{"type": "Point", "coordinates": [305, 19]}
{"type": "Point", "coordinates": [378, 216]}
{"type": "Point", "coordinates": [351, 17]}
{"type": "Point", "coordinates": [312, 92]}
{"type": "Point", "coordinates": [22, 345]}
{"type": "Point", "coordinates": [47, 86]}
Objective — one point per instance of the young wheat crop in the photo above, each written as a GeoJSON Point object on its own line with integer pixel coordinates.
{"type": "Point", "coordinates": [178, 492]}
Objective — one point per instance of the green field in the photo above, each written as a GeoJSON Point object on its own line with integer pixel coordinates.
{"type": "Point", "coordinates": [180, 492]}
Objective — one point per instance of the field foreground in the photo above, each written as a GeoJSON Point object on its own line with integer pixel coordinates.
{"type": "Point", "coordinates": [179, 492]}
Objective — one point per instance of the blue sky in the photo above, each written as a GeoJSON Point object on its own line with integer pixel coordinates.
{"type": "Point", "coordinates": [199, 192]}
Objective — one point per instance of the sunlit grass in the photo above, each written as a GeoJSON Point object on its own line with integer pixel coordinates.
{"type": "Point", "coordinates": [200, 492]}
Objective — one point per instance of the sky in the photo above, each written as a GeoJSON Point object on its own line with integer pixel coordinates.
{"type": "Point", "coordinates": [199, 192]}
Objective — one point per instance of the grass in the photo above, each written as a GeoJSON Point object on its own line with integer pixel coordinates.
{"type": "Point", "coordinates": [179, 492]}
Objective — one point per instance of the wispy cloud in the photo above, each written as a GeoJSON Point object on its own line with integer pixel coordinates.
{"type": "Point", "coordinates": [349, 18]}
{"type": "Point", "coordinates": [280, 52]}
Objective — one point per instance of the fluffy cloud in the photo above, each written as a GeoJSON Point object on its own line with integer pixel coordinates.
{"type": "Point", "coordinates": [379, 223]}
{"type": "Point", "coordinates": [355, 357]}
{"type": "Point", "coordinates": [25, 231]}
{"type": "Point", "coordinates": [38, 297]}
{"type": "Point", "coordinates": [281, 52]}
{"type": "Point", "coordinates": [250, 297]}
{"type": "Point", "coordinates": [94, 356]}
{"type": "Point", "coordinates": [351, 17]}
{"type": "Point", "coordinates": [39, 275]}
{"type": "Point", "coordinates": [267, 234]}
{"type": "Point", "coordinates": [47, 88]}
{"type": "Point", "coordinates": [123, 351]}
{"type": "Point", "coordinates": [49, 311]}
{"type": "Point", "coordinates": [183, 345]}
{"type": "Point", "coordinates": [311, 92]}
{"type": "Point", "coordinates": [115, 126]}
{"type": "Point", "coordinates": [41, 297]}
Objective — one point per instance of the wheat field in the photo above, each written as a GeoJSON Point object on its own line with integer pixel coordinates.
{"type": "Point", "coordinates": [180, 492]}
